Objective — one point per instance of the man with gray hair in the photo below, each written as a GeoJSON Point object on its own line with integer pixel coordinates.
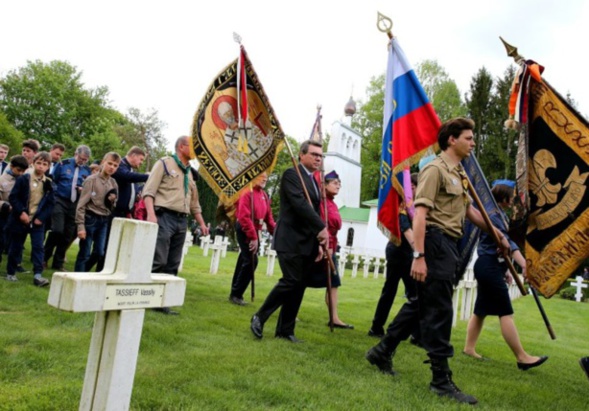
{"type": "Point", "coordinates": [67, 179]}
{"type": "Point", "coordinates": [170, 195]}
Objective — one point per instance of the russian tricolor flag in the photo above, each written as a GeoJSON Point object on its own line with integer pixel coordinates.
{"type": "Point", "coordinates": [410, 127]}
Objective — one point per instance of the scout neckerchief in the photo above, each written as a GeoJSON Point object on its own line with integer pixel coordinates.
{"type": "Point", "coordinates": [185, 170]}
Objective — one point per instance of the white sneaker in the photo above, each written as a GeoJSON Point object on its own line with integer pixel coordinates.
{"type": "Point", "coordinates": [11, 278]}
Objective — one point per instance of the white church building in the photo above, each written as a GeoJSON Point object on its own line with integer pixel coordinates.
{"type": "Point", "coordinates": [359, 230]}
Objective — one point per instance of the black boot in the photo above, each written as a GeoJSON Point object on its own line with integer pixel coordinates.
{"type": "Point", "coordinates": [381, 355]}
{"type": "Point", "coordinates": [443, 385]}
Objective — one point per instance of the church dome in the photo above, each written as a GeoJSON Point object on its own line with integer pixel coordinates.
{"type": "Point", "coordinates": [350, 108]}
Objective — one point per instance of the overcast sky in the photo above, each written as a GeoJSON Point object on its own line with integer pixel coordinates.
{"type": "Point", "coordinates": [164, 55]}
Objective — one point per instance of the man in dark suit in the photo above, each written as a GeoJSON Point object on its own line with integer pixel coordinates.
{"type": "Point", "coordinates": [298, 235]}
{"type": "Point", "coordinates": [127, 178]}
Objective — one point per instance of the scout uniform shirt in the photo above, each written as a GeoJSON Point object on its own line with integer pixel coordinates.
{"type": "Point", "coordinates": [442, 188]}
{"type": "Point", "coordinates": [36, 192]}
{"type": "Point", "coordinates": [93, 196]}
{"type": "Point", "coordinates": [7, 181]}
{"type": "Point", "coordinates": [166, 186]}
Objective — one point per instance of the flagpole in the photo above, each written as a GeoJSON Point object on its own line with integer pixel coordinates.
{"type": "Point", "coordinates": [519, 59]}
{"type": "Point", "coordinates": [253, 252]}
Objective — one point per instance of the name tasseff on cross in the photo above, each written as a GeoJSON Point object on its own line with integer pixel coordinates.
{"type": "Point", "coordinates": [129, 292]}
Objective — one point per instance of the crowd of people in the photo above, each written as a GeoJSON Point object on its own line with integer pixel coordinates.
{"type": "Point", "coordinates": [54, 201]}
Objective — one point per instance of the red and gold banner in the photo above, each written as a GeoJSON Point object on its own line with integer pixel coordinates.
{"type": "Point", "coordinates": [231, 152]}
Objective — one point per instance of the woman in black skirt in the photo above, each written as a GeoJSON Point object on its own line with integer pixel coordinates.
{"type": "Point", "coordinates": [491, 274]}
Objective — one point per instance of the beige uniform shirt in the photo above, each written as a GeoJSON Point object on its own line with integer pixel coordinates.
{"type": "Point", "coordinates": [442, 190]}
{"type": "Point", "coordinates": [166, 186]}
{"type": "Point", "coordinates": [36, 192]}
{"type": "Point", "coordinates": [92, 198]}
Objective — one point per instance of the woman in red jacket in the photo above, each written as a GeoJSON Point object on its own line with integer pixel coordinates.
{"type": "Point", "coordinates": [334, 224]}
{"type": "Point", "coordinates": [248, 223]}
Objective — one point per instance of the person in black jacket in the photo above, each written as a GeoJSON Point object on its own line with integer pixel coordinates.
{"type": "Point", "coordinates": [32, 203]}
{"type": "Point", "coordinates": [127, 179]}
{"type": "Point", "coordinates": [298, 235]}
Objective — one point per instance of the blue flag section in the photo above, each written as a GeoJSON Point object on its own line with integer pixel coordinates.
{"type": "Point", "coordinates": [471, 232]}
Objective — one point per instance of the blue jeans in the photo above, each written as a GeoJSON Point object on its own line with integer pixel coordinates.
{"type": "Point", "coordinates": [96, 227]}
{"type": "Point", "coordinates": [16, 246]}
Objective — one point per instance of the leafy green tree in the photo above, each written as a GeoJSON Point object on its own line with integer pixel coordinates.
{"type": "Point", "coordinates": [368, 121]}
{"type": "Point", "coordinates": [479, 105]}
{"type": "Point", "coordinates": [49, 102]}
{"type": "Point", "coordinates": [10, 135]}
{"type": "Point", "coordinates": [208, 202]}
{"type": "Point", "coordinates": [441, 90]}
{"type": "Point", "coordinates": [283, 162]}
{"type": "Point", "coordinates": [144, 130]}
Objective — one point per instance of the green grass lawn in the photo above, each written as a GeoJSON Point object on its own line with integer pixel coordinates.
{"type": "Point", "coordinates": [207, 358]}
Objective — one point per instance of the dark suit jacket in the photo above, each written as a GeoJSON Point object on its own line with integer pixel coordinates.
{"type": "Point", "coordinates": [19, 200]}
{"type": "Point", "coordinates": [298, 221]}
{"type": "Point", "coordinates": [125, 178]}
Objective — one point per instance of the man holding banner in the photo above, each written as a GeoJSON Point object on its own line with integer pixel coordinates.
{"type": "Point", "coordinates": [441, 205]}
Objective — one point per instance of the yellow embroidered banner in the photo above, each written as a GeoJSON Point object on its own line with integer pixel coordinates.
{"type": "Point", "coordinates": [236, 135]}
{"type": "Point", "coordinates": [557, 238]}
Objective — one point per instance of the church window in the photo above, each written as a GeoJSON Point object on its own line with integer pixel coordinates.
{"type": "Point", "coordinates": [350, 238]}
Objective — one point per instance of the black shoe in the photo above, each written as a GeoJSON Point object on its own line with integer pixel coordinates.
{"type": "Point", "coordinates": [342, 326]}
{"type": "Point", "coordinates": [584, 362]}
{"type": "Point", "coordinates": [384, 363]}
{"type": "Point", "coordinates": [290, 338]}
{"type": "Point", "coordinates": [236, 300]}
{"type": "Point", "coordinates": [450, 390]}
{"type": "Point", "coordinates": [257, 327]}
{"type": "Point", "coordinates": [165, 310]}
{"type": "Point", "coordinates": [377, 334]}
{"type": "Point", "coordinates": [57, 267]}
{"type": "Point", "coordinates": [524, 367]}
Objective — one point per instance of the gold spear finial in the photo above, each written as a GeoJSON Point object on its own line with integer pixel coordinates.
{"type": "Point", "coordinates": [384, 24]}
{"type": "Point", "coordinates": [512, 51]}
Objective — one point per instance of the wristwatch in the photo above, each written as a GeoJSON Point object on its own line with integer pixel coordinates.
{"type": "Point", "coordinates": [417, 255]}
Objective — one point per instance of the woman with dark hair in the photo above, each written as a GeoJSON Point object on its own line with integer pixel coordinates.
{"type": "Point", "coordinates": [490, 271]}
{"type": "Point", "coordinates": [334, 224]}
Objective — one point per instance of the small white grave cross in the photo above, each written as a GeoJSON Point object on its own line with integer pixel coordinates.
{"type": "Point", "coordinates": [367, 261]}
{"type": "Point", "coordinates": [271, 262]}
{"type": "Point", "coordinates": [262, 248]}
{"type": "Point", "coordinates": [216, 247]}
{"type": "Point", "coordinates": [119, 295]}
{"type": "Point", "coordinates": [225, 244]}
{"type": "Point", "coordinates": [185, 248]}
{"type": "Point", "coordinates": [355, 262]}
{"type": "Point", "coordinates": [579, 285]}
{"type": "Point", "coordinates": [376, 266]}
{"type": "Point", "coordinates": [206, 243]}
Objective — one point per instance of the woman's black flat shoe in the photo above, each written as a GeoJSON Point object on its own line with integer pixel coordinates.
{"type": "Point", "coordinates": [524, 367]}
{"type": "Point", "coordinates": [343, 326]}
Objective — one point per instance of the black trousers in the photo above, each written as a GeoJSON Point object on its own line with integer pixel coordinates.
{"type": "Point", "coordinates": [247, 262]}
{"type": "Point", "coordinates": [63, 231]}
{"type": "Point", "coordinates": [433, 307]}
{"type": "Point", "coordinates": [288, 293]}
{"type": "Point", "coordinates": [398, 268]}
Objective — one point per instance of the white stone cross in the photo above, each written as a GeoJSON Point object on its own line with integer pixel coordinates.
{"type": "Point", "coordinates": [341, 262]}
{"type": "Point", "coordinates": [225, 244]}
{"type": "Point", "coordinates": [367, 259]}
{"type": "Point", "coordinates": [185, 248]}
{"type": "Point", "coordinates": [376, 266]}
{"type": "Point", "coordinates": [579, 285]}
{"type": "Point", "coordinates": [355, 262]}
{"type": "Point", "coordinates": [205, 244]}
{"type": "Point", "coordinates": [119, 295]}
{"type": "Point", "coordinates": [262, 247]}
{"type": "Point", "coordinates": [216, 258]}
{"type": "Point", "coordinates": [271, 262]}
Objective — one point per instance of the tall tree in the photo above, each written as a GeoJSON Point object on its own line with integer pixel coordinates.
{"type": "Point", "coordinates": [144, 130]}
{"type": "Point", "coordinates": [441, 90]}
{"type": "Point", "coordinates": [478, 103]}
{"type": "Point", "coordinates": [49, 102]}
{"type": "Point", "coordinates": [368, 121]}
{"type": "Point", "coordinates": [10, 135]}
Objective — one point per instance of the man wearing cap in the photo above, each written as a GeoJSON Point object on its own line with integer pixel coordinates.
{"type": "Point", "coordinates": [169, 196]}
{"type": "Point", "coordinates": [441, 205]}
{"type": "Point", "coordinates": [299, 233]}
